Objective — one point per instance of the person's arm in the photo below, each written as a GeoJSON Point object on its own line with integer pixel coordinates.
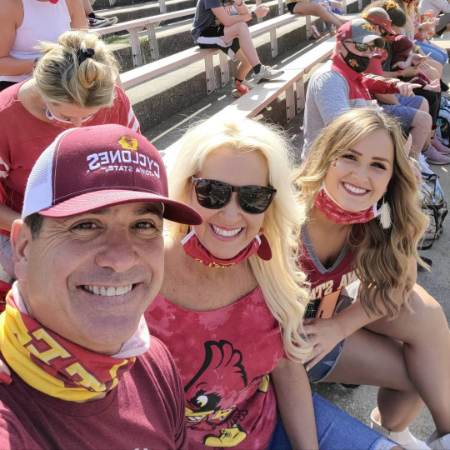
{"type": "Point", "coordinates": [387, 99]}
{"type": "Point", "coordinates": [7, 217]}
{"type": "Point", "coordinates": [325, 334]}
{"type": "Point", "coordinates": [409, 72]}
{"type": "Point", "coordinates": [228, 20]}
{"type": "Point", "coordinates": [77, 15]}
{"type": "Point", "coordinates": [294, 402]}
{"type": "Point", "coordinates": [10, 18]}
{"type": "Point", "coordinates": [331, 95]}
{"type": "Point", "coordinates": [380, 85]}
{"type": "Point", "coordinates": [241, 7]}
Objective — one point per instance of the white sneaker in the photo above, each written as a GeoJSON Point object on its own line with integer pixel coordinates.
{"type": "Point", "coordinates": [436, 443]}
{"type": "Point", "coordinates": [249, 84]}
{"type": "Point", "coordinates": [424, 165]}
{"type": "Point", "coordinates": [266, 73]}
{"type": "Point", "coordinates": [403, 438]}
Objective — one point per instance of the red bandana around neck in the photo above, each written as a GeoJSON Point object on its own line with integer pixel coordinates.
{"type": "Point", "coordinates": [195, 249]}
{"type": "Point", "coordinates": [55, 366]}
{"type": "Point", "coordinates": [334, 212]}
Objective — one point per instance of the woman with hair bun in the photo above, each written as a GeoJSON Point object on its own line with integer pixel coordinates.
{"type": "Point", "coordinates": [73, 86]}
{"type": "Point", "coordinates": [364, 223]}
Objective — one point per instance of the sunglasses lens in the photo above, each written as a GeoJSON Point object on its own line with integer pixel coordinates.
{"type": "Point", "coordinates": [212, 194]}
{"type": "Point", "coordinates": [255, 199]}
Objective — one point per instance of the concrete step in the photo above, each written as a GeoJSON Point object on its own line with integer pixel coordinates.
{"type": "Point", "coordinates": [172, 38]}
{"type": "Point", "coordinates": [163, 98]}
{"type": "Point", "coordinates": [160, 99]}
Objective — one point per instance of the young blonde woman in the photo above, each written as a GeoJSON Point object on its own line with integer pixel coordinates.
{"type": "Point", "coordinates": [73, 86]}
{"type": "Point", "coordinates": [395, 334]}
{"type": "Point", "coordinates": [232, 299]}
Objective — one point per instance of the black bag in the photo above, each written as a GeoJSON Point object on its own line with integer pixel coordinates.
{"type": "Point", "coordinates": [434, 206]}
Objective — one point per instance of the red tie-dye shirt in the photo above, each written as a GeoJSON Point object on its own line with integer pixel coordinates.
{"type": "Point", "coordinates": [224, 357]}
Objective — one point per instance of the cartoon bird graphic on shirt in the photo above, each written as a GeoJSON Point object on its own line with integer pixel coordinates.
{"type": "Point", "coordinates": [211, 394]}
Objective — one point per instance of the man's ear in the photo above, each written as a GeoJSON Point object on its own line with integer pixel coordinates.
{"type": "Point", "coordinates": [20, 240]}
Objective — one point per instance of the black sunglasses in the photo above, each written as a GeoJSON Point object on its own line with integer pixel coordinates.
{"type": "Point", "coordinates": [362, 47]}
{"type": "Point", "coordinates": [213, 194]}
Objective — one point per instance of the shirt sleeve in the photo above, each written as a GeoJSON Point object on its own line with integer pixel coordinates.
{"type": "Point", "coordinates": [130, 120]}
{"type": "Point", "coordinates": [379, 85]}
{"type": "Point", "coordinates": [210, 4]}
{"type": "Point", "coordinates": [331, 95]}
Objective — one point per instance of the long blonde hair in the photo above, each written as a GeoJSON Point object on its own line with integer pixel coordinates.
{"type": "Point", "coordinates": [61, 78]}
{"type": "Point", "coordinates": [381, 257]}
{"type": "Point", "coordinates": [280, 279]}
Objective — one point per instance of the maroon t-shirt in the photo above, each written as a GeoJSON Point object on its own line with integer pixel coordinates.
{"type": "Point", "coordinates": [145, 411]}
{"type": "Point", "coordinates": [324, 281]}
{"type": "Point", "coordinates": [224, 357]}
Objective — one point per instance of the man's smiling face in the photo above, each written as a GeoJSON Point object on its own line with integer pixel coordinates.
{"type": "Point", "coordinates": [90, 277]}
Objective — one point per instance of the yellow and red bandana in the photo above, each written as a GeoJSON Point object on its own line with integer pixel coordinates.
{"type": "Point", "coordinates": [53, 365]}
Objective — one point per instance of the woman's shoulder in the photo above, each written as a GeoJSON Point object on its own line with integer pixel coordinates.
{"type": "Point", "coordinates": [12, 11]}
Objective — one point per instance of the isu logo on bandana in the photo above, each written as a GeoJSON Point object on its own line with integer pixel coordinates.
{"type": "Point", "coordinates": [128, 143]}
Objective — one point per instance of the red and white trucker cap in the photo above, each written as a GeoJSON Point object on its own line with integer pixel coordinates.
{"type": "Point", "coordinates": [90, 168]}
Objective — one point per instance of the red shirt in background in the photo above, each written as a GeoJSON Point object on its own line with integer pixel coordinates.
{"type": "Point", "coordinates": [24, 137]}
{"type": "Point", "coordinates": [145, 411]}
{"type": "Point", "coordinates": [224, 357]}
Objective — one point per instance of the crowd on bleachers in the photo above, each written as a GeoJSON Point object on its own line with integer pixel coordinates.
{"type": "Point", "coordinates": [118, 333]}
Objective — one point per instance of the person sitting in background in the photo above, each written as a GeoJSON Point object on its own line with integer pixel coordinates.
{"type": "Point", "coordinates": [215, 27]}
{"type": "Point", "coordinates": [88, 248]}
{"type": "Point", "coordinates": [412, 113]}
{"type": "Point", "coordinates": [73, 86]}
{"type": "Point", "coordinates": [316, 8]}
{"type": "Point", "coordinates": [23, 23]}
{"type": "Point", "coordinates": [341, 85]}
{"type": "Point", "coordinates": [404, 57]}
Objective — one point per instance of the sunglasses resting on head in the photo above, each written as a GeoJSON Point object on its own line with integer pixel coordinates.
{"type": "Point", "coordinates": [213, 194]}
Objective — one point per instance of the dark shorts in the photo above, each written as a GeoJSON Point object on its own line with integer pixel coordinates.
{"type": "Point", "coordinates": [327, 363]}
{"type": "Point", "coordinates": [291, 6]}
{"type": "Point", "coordinates": [5, 84]}
{"type": "Point", "coordinates": [211, 37]}
{"type": "Point", "coordinates": [405, 112]}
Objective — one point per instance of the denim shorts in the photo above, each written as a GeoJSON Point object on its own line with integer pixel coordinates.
{"type": "Point", "coordinates": [347, 296]}
{"type": "Point", "coordinates": [405, 112]}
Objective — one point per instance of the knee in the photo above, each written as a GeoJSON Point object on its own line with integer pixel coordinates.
{"type": "Point", "coordinates": [424, 106]}
{"type": "Point", "coordinates": [423, 120]}
{"type": "Point", "coordinates": [241, 28]}
{"type": "Point", "coordinates": [429, 310]}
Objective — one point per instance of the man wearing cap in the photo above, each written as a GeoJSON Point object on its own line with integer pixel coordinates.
{"type": "Point", "coordinates": [411, 112]}
{"type": "Point", "coordinates": [89, 261]}
{"type": "Point", "coordinates": [341, 85]}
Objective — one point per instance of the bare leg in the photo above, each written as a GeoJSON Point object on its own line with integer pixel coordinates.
{"type": "Point", "coordinates": [241, 31]}
{"type": "Point", "coordinates": [244, 65]}
{"type": "Point", "coordinates": [87, 7]}
{"type": "Point", "coordinates": [314, 9]}
{"type": "Point", "coordinates": [426, 350]}
{"type": "Point", "coordinates": [372, 359]}
{"type": "Point", "coordinates": [420, 132]}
